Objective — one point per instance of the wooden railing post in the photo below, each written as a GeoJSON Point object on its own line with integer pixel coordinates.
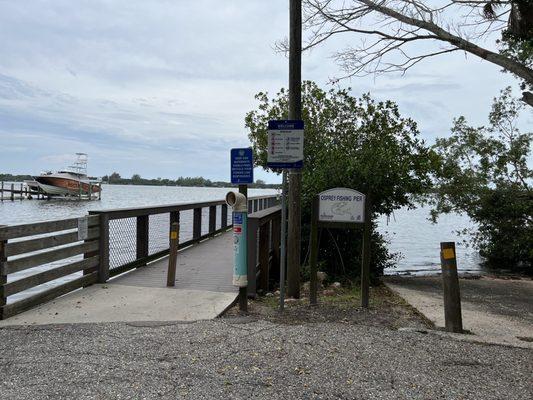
{"type": "Point", "coordinates": [197, 223]}
{"type": "Point", "coordinates": [103, 266]}
{"type": "Point", "coordinates": [12, 192]}
{"type": "Point", "coordinates": [224, 216]}
{"type": "Point", "coordinates": [450, 284]}
{"type": "Point", "coordinates": [173, 255]}
{"type": "Point", "coordinates": [3, 276]}
{"type": "Point", "coordinates": [252, 257]}
{"type": "Point", "coordinates": [143, 235]}
{"type": "Point", "coordinates": [263, 257]}
{"type": "Point", "coordinates": [212, 219]}
{"type": "Point", "coordinates": [276, 241]}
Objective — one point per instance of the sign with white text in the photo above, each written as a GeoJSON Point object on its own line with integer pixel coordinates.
{"type": "Point", "coordinates": [242, 166]}
{"type": "Point", "coordinates": [285, 144]}
{"type": "Point", "coordinates": [341, 205]}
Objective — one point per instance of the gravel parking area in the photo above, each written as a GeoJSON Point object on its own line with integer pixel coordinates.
{"type": "Point", "coordinates": [243, 358]}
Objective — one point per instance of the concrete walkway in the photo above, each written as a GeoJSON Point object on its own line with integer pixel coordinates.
{"type": "Point", "coordinates": [498, 311]}
{"type": "Point", "coordinates": [203, 291]}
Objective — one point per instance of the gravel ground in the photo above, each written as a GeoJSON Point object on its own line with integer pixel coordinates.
{"type": "Point", "coordinates": [242, 358]}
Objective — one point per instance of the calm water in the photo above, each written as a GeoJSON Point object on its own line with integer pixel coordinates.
{"type": "Point", "coordinates": [409, 231]}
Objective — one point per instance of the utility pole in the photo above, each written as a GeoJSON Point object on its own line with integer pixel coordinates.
{"type": "Point", "coordinates": [295, 176]}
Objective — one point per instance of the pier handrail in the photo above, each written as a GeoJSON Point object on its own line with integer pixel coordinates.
{"type": "Point", "coordinates": [138, 234]}
{"type": "Point", "coordinates": [264, 238]}
{"type": "Point", "coordinates": [112, 242]}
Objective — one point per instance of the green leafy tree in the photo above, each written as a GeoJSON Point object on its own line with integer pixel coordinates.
{"type": "Point", "coordinates": [350, 142]}
{"type": "Point", "coordinates": [136, 179]}
{"type": "Point", "coordinates": [115, 178]}
{"type": "Point", "coordinates": [484, 173]}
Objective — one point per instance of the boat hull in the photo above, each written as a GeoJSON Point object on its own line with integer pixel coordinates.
{"type": "Point", "coordinates": [64, 186]}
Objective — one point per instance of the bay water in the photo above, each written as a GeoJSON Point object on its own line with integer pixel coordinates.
{"type": "Point", "coordinates": [409, 232]}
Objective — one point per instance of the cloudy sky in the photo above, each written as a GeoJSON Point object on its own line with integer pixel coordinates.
{"type": "Point", "coordinates": [160, 88]}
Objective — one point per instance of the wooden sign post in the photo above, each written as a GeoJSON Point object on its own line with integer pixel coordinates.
{"type": "Point", "coordinates": [341, 208]}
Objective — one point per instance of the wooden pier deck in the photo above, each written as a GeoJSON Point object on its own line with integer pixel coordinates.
{"type": "Point", "coordinates": [203, 290]}
{"type": "Point", "coordinates": [111, 265]}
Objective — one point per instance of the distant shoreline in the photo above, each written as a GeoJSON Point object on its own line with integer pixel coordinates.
{"type": "Point", "coordinates": [138, 181]}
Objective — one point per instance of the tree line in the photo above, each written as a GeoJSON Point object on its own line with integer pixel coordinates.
{"type": "Point", "coordinates": [198, 181]}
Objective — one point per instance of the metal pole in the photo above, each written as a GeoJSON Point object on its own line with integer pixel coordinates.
{"type": "Point", "coordinates": [243, 291]}
{"type": "Point", "coordinates": [295, 181]}
{"type": "Point", "coordinates": [283, 250]}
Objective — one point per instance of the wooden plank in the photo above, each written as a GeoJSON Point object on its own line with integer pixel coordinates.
{"type": "Point", "coordinates": [252, 256]}
{"type": "Point", "coordinates": [15, 231]}
{"type": "Point", "coordinates": [143, 227]}
{"type": "Point", "coordinates": [197, 223]}
{"type": "Point", "coordinates": [263, 257]}
{"type": "Point", "coordinates": [224, 216]}
{"type": "Point", "coordinates": [23, 263]}
{"type": "Point", "coordinates": [3, 275]}
{"type": "Point", "coordinates": [265, 215]}
{"type": "Point", "coordinates": [212, 218]}
{"type": "Point", "coordinates": [119, 213]}
{"type": "Point", "coordinates": [276, 241]}
{"type": "Point", "coordinates": [103, 268]}
{"type": "Point", "coordinates": [22, 305]}
{"type": "Point", "coordinates": [47, 276]}
{"type": "Point", "coordinates": [27, 246]}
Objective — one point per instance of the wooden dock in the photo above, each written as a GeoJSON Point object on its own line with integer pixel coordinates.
{"type": "Point", "coordinates": [88, 252]}
{"type": "Point", "coordinates": [21, 191]}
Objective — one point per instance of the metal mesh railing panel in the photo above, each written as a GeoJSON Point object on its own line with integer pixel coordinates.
{"type": "Point", "coordinates": [159, 227]}
{"type": "Point", "coordinates": [205, 220]}
{"type": "Point", "coordinates": [186, 218]}
{"type": "Point", "coordinates": [122, 241]}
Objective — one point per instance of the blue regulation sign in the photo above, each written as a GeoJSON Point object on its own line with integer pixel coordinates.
{"type": "Point", "coordinates": [242, 166]}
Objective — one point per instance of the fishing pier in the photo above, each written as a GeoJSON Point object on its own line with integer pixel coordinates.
{"type": "Point", "coordinates": [111, 265]}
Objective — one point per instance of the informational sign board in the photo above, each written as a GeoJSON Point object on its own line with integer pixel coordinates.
{"type": "Point", "coordinates": [341, 208]}
{"type": "Point", "coordinates": [242, 166]}
{"type": "Point", "coordinates": [341, 205]}
{"type": "Point", "coordinates": [285, 144]}
{"type": "Point", "coordinates": [83, 228]}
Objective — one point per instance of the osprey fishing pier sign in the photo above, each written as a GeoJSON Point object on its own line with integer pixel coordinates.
{"type": "Point", "coordinates": [341, 208]}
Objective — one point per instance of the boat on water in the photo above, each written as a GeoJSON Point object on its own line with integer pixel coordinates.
{"type": "Point", "coordinates": [70, 182]}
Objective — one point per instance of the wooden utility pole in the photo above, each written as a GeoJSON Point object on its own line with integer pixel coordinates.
{"type": "Point", "coordinates": [295, 176]}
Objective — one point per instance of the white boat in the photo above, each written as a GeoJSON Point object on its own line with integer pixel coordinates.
{"type": "Point", "coordinates": [72, 181]}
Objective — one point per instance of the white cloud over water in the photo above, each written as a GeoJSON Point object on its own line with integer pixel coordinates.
{"type": "Point", "coordinates": [160, 88]}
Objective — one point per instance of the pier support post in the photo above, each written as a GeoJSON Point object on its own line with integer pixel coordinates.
{"type": "Point", "coordinates": [12, 191]}
{"type": "Point", "coordinates": [450, 285]}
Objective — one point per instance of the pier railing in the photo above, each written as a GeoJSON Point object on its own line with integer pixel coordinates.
{"type": "Point", "coordinates": [54, 246]}
{"type": "Point", "coordinates": [133, 237]}
{"type": "Point", "coordinates": [264, 237]}
{"type": "Point", "coordinates": [83, 251]}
